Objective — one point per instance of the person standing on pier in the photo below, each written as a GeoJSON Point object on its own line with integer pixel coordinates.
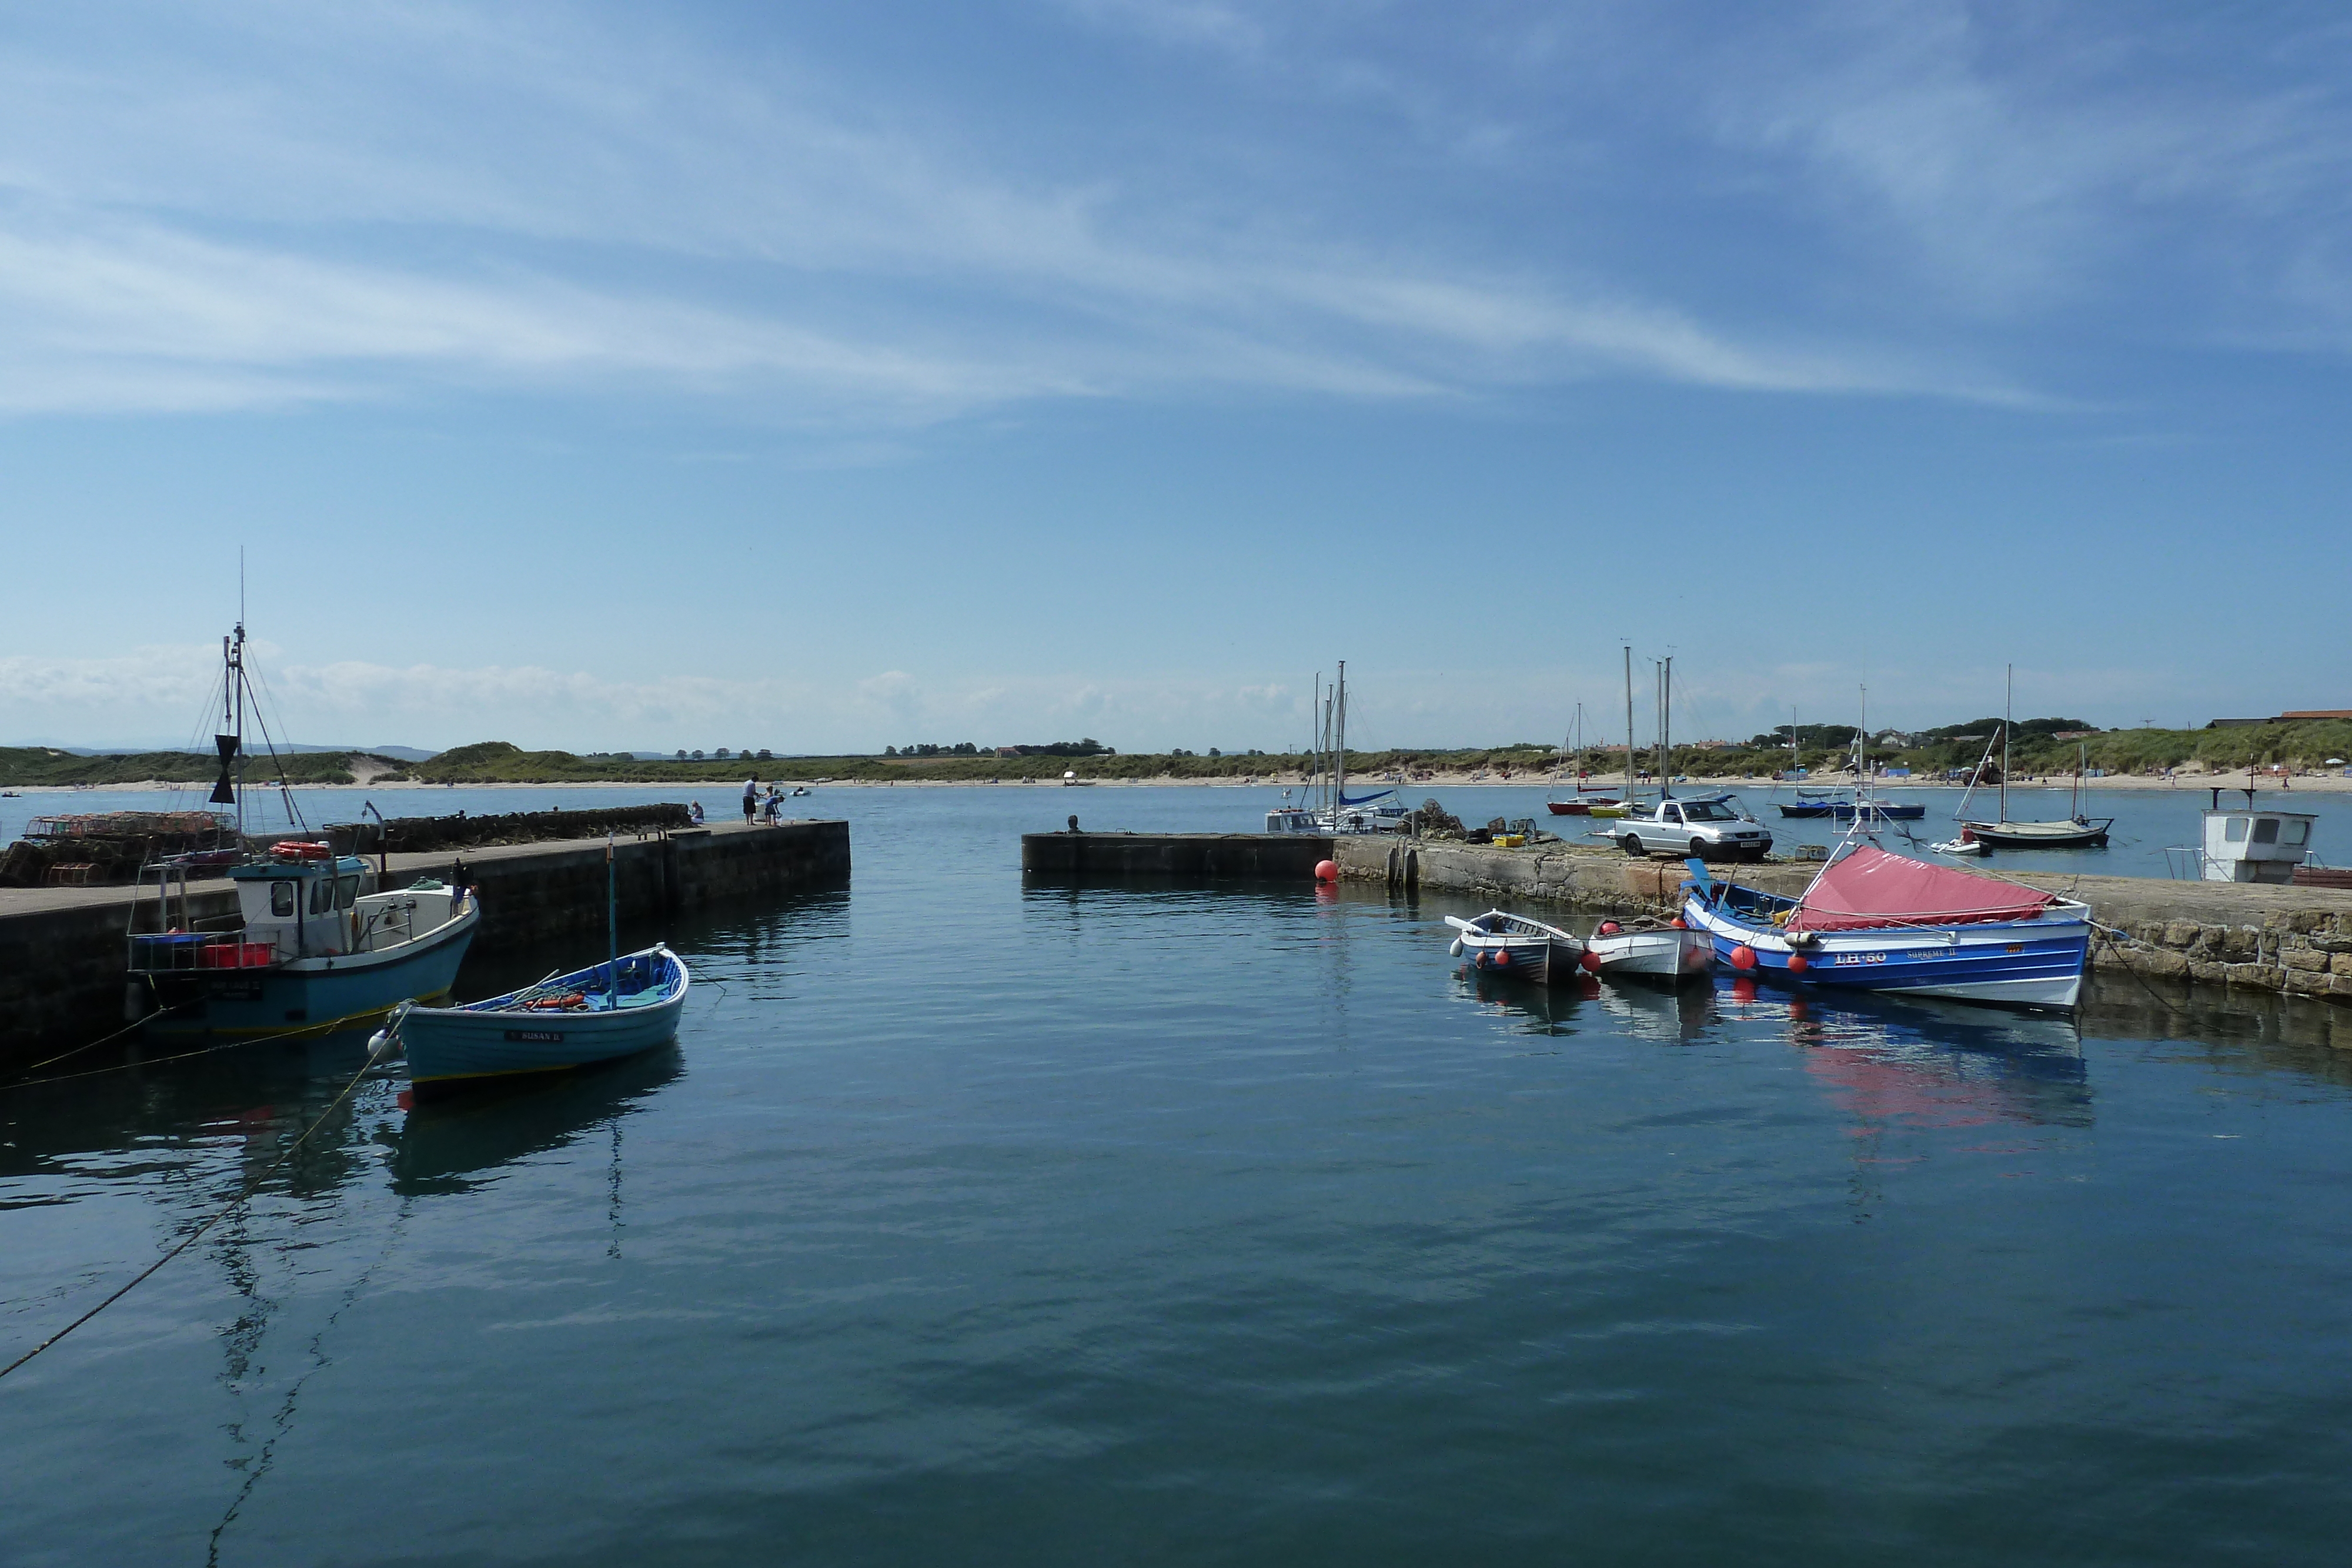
{"type": "Point", "coordinates": [750, 799]}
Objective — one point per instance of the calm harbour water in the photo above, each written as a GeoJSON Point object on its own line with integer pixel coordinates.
{"type": "Point", "coordinates": [972, 1222]}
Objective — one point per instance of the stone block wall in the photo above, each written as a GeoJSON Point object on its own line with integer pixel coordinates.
{"type": "Point", "coordinates": [2294, 941]}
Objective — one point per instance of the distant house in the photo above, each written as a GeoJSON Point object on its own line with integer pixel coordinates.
{"type": "Point", "coordinates": [2236, 723]}
{"type": "Point", "coordinates": [2300, 715]}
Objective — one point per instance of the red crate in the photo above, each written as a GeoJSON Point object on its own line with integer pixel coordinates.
{"type": "Point", "coordinates": [235, 956]}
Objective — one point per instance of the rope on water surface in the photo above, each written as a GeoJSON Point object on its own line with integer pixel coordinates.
{"type": "Point", "coordinates": [218, 1214]}
{"type": "Point", "coordinates": [90, 1045]}
{"type": "Point", "coordinates": [328, 1027]}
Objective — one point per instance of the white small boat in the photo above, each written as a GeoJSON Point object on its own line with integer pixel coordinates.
{"type": "Point", "coordinates": [1652, 951]}
{"type": "Point", "coordinates": [1959, 846]}
{"type": "Point", "coordinates": [1513, 945]}
{"type": "Point", "coordinates": [598, 1014]}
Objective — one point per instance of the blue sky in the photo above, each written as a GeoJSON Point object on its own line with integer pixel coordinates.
{"type": "Point", "coordinates": [824, 377]}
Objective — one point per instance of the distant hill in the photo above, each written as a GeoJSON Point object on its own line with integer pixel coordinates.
{"type": "Point", "coordinates": [395, 752]}
{"type": "Point", "coordinates": [49, 765]}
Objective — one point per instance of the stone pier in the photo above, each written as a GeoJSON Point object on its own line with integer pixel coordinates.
{"type": "Point", "coordinates": [63, 949]}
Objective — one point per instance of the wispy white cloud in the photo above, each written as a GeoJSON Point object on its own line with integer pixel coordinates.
{"type": "Point", "coordinates": [160, 695]}
{"type": "Point", "coordinates": [568, 199]}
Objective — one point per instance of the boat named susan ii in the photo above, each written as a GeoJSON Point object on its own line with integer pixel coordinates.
{"type": "Point", "coordinates": [602, 1013]}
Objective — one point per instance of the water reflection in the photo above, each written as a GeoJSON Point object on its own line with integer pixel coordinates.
{"type": "Point", "coordinates": [1676, 1013]}
{"type": "Point", "coordinates": [1929, 1063]}
{"type": "Point", "coordinates": [450, 1143]}
{"type": "Point", "coordinates": [1535, 1009]}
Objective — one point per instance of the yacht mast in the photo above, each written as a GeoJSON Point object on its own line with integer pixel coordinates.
{"type": "Point", "coordinates": [1340, 750]}
{"type": "Point", "coordinates": [1666, 729]}
{"type": "Point", "coordinates": [1629, 724]}
{"type": "Point", "coordinates": [2008, 716]}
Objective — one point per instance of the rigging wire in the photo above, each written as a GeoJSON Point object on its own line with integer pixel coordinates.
{"type": "Point", "coordinates": [250, 1187]}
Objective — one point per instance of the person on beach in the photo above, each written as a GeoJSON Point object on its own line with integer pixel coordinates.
{"type": "Point", "coordinates": [750, 800]}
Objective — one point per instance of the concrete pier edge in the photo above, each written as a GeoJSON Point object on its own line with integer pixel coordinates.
{"type": "Point", "coordinates": [2293, 940]}
{"type": "Point", "coordinates": [62, 950]}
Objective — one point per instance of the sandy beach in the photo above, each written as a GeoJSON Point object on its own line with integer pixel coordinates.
{"type": "Point", "coordinates": [2193, 783]}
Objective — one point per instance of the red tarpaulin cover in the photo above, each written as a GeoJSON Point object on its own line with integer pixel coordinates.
{"type": "Point", "coordinates": [1871, 887]}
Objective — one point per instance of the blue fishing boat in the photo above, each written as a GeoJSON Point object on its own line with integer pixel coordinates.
{"type": "Point", "coordinates": [315, 948]}
{"type": "Point", "coordinates": [314, 944]}
{"type": "Point", "coordinates": [1875, 920]}
{"type": "Point", "coordinates": [602, 1013]}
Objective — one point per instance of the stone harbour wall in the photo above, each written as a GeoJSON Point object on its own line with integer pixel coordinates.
{"type": "Point", "coordinates": [2293, 940]}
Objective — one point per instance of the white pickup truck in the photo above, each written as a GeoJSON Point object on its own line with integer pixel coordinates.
{"type": "Point", "coordinates": [1712, 827]}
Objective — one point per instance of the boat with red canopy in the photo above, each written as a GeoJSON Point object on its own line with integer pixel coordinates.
{"type": "Point", "coordinates": [1876, 921]}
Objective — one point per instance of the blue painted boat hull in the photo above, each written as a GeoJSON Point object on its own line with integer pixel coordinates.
{"type": "Point", "coordinates": [498, 1037]}
{"type": "Point", "coordinates": [2027, 964]}
{"type": "Point", "coordinates": [314, 996]}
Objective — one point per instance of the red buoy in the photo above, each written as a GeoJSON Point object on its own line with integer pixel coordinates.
{"type": "Point", "coordinates": [1591, 962]}
{"type": "Point", "coordinates": [1799, 962]}
{"type": "Point", "coordinates": [1503, 958]}
{"type": "Point", "coordinates": [1743, 957]}
{"type": "Point", "coordinates": [1327, 871]}
{"type": "Point", "coordinates": [1607, 928]}
{"type": "Point", "coordinates": [1679, 923]}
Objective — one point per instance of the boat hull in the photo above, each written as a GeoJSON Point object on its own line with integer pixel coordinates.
{"type": "Point", "coordinates": [451, 1045]}
{"type": "Point", "coordinates": [1843, 810]}
{"type": "Point", "coordinates": [1515, 948]}
{"type": "Point", "coordinates": [1671, 957]}
{"type": "Point", "coordinates": [1538, 960]}
{"type": "Point", "coordinates": [311, 996]}
{"type": "Point", "coordinates": [2064, 836]}
{"type": "Point", "coordinates": [2023, 964]}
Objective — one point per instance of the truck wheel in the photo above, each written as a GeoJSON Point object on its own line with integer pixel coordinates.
{"type": "Point", "coordinates": [1629, 844]}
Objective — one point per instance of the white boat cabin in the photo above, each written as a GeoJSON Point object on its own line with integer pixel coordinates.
{"type": "Point", "coordinates": [323, 907]}
{"type": "Point", "coordinates": [2252, 844]}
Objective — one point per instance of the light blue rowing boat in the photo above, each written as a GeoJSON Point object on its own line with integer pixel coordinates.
{"type": "Point", "coordinates": [602, 1013]}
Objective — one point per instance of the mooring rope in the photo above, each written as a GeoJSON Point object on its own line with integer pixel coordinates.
{"type": "Point", "coordinates": [328, 1026]}
{"type": "Point", "coordinates": [218, 1215]}
{"type": "Point", "coordinates": [2123, 961]}
{"type": "Point", "coordinates": [77, 1050]}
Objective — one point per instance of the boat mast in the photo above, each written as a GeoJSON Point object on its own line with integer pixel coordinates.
{"type": "Point", "coordinates": [1861, 745]}
{"type": "Point", "coordinates": [1322, 740]}
{"type": "Point", "coordinates": [2008, 716]}
{"type": "Point", "coordinates": [1629, 724]}
{"type": "Point", "coordinates": [1666, 729]}
{"type": "Point", "coordinates": [1340, 750]}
